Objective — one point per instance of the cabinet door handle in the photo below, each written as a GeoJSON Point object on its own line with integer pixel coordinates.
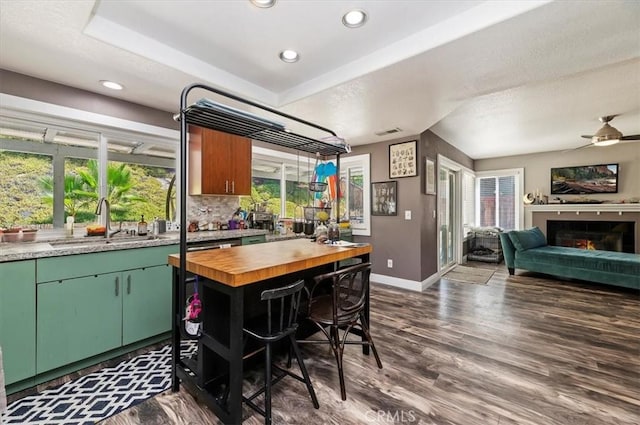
{"type": "Point", "coordinates": [128, 284]}
{"type": "Point", "coordinates": [233, 186]}
{"type": "Point", "coordinates": [226, 186]}
{"type": "Point", "coordinates": [117, 286]}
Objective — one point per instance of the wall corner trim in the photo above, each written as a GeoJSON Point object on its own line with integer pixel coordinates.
{"type": "Point", "coordinates": [411, 285]}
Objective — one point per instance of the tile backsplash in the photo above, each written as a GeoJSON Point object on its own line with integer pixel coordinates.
{"type": "Point", "coordinates": [211, 207]}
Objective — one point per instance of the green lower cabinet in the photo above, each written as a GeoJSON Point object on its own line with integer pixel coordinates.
{"type": "Point", "coordinates": [90, 304]}
{"type": "Point", "coordinates": [146, 304]}
{"type": "Point", "coordinates": [18, 319]}
{"type": "Point", "coordinates": [78, 318]}
{"type": "Point", "coordinates": [250, 240]}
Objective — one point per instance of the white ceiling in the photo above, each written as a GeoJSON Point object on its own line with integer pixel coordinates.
{"type": "Point", "coordinates": [493, 78]}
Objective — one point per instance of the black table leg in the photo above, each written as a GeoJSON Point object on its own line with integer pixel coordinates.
{"type": "Point", "coordinates": [175, 331]}
{"type": "Point", "coordinates": [236, 324]}
{"type": "Point", "coordinates": [367, 304]}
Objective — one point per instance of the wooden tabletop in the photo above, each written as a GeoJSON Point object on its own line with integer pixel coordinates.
{"type": "Point", "coordinates": [242, 265]}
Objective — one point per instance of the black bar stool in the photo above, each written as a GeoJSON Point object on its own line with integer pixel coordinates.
{"type": "Point", "coordinates": [282, 310]}
{"type": "Point", "coordinates": [337, 301]}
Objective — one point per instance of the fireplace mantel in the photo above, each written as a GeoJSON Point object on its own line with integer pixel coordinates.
{"type": "Point", "coordinates": [577, 209]}
{"type": "Point", "coordinates": [560, 208]}
{"type": "Point", "coordinates": [537, 215]}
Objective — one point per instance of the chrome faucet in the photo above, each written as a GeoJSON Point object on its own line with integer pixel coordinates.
{"type": "Point", "coordinates": [108, 233]}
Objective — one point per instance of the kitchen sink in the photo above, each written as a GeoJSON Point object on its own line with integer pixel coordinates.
{"type": "Point", "coordinates": [100, 240]}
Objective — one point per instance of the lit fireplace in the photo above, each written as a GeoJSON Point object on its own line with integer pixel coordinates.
{"type": "Point", "coordinates": [585, 244]}
{"type": "Point", "coordinates": [600, 235]}
{"type": "Point", "coordinates": [611, 241]}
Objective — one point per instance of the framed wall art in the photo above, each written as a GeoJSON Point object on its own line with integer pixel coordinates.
{"type": "Point", "coordinates": [429, 176]}
{"type": "Point", "coordinates": [384, 198]}
{"type": "Point", "coordinates": [403, 159]}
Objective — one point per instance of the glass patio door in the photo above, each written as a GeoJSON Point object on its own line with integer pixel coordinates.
{"type": "Point", "coordinates": [448, 240]}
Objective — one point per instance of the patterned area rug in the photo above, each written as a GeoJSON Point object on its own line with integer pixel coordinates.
{"type": "Point", "coordinates": [466, 274]}
{"type": "Point", "coordinates": [101, 394]}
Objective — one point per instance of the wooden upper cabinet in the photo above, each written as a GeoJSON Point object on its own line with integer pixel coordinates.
{"type": "Point", "coordinates": [219, 163]}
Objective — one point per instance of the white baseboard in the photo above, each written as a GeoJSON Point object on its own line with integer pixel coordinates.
{"type": "Point", "coordinates": [411, 285]}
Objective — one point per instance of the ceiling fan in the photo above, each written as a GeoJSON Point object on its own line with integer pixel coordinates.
{"type": "Point", "coordinates": [608, 135]}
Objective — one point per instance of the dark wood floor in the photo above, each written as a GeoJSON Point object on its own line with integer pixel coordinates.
{"type": "Point", "coordinates": [523, 349]}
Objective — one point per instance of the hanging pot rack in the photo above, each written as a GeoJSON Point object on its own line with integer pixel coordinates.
{"type": "Point", "coordinates": [209, 114]}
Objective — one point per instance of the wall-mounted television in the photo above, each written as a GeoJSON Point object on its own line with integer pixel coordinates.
{"type": "Point", "coordinates": [584, 179]}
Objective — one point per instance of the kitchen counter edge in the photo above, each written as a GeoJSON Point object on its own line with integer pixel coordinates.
{"type": "Point", "coordinates": [34, 250]}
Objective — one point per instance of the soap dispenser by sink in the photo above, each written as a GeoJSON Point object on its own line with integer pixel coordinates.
{"type": "Point", "coordinates": [142, 227]}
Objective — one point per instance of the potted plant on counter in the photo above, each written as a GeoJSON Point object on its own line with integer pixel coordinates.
{"type": "Point", "coordinates": [29, 235]}
{"type": "Point", "coordinates": [11, 234]}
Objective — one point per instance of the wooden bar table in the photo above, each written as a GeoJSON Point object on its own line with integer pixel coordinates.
{"type": "Point", "coordinates": [231, 280]}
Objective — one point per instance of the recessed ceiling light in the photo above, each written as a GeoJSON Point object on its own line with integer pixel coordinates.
{"type": "Point", "coordinates": [354, 18]}
{"type": "Point", "coordinates": [263, 3]}
{"type": "Point", "coordinates": [289, 56]}
{"type": "Point", "coordinates": [111, 85]}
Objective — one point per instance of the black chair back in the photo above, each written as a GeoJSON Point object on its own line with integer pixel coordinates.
{"type": "Point", "coordinates": [349, 290]}
{"type": "Point", "coordinates": [343, 308]}
{"type": "Point", "coordinates": [282, 311]}
{"type": "Point", "coordinates": [285, 302]}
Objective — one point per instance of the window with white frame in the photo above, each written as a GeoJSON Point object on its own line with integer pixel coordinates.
{"type": "Point", "coordinates": [354, 185]}
{"type": "Point", "coordinates": [468, 201]}
{"type": "Point", "coordinates": [61, 164]}
{"type": "Point", "coordinates": [280, 182]}
{"type": "Point", "coordinates": [497, 198]}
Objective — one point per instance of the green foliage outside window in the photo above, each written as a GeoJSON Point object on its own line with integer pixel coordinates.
{"type": "Point", "coordinates": [26, 190]}
{"type": "Point", "coordinates": [76, 198]}
{"type": "Point", "coordinates": [20, 192]}
{"type": "Point", "coordinates": [267, 192]}
{"type": "Point", "coordinates": [81, 190]}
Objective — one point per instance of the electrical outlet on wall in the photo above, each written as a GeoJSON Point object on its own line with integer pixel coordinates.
{"type": "Point", "coordinates": [390, 263]}
{"type": "Point", "coordinates": [407, 215]}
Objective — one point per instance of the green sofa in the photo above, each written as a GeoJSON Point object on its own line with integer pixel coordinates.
{"type": "Point", "coordinates": [528, 250]}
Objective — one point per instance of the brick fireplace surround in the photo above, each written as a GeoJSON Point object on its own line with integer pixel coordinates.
{"type": "Point", "coordinates": [537, 215]}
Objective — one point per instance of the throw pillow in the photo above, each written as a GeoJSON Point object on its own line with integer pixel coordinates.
{"type": "Point", "coordinates": [527, 239]}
